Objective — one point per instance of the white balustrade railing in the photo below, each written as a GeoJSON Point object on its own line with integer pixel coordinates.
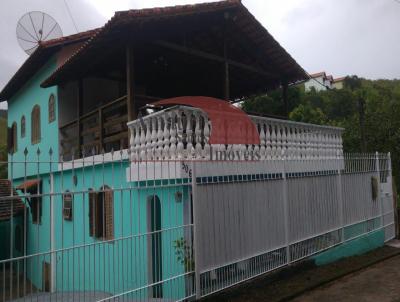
{"type": "Point", "coordinates": [184, 132]}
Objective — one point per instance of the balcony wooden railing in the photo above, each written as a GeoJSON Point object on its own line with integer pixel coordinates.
{"type": "Point", "coordinates": [103, 129]}
{"type": "Point", "coordinates": [184, 132]}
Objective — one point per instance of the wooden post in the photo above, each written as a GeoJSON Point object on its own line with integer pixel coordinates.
{"type": "Point", "coordinates": [130, 84]}
{"type": "Point", "coordinates": [226, 73]}
{"type": "Point", "coordinates": [79, 113]}
{"type": "Point", "coordinates": [285, 97]}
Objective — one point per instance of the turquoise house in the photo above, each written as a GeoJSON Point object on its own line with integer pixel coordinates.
{"type": "Point", "coordinates": [94, 225]}
{"type": "Point", "coordinates": [107, 176]}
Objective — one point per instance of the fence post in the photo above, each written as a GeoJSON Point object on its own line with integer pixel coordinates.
{"type": "Point", "coordinates": [195, 231]}
{"type": "Point", "coordinates": [379, 186]}
{"type": "Point", "coordinates": [11, 175]}
{"type": "Point", "coordinates": [285, 206]}
{"type": "Point", "coordinates": [392, 194]}
{"type": "Point", "coordinates": [53, 259]}
{"type": "Point", "coordinates": [340, 197]}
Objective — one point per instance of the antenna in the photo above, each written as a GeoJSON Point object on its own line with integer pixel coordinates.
{"type": "Point", "coordinates": [35, 27]}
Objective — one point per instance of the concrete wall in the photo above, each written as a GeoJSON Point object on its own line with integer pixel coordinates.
{"type": "Point", "coordinates": [350, 248]}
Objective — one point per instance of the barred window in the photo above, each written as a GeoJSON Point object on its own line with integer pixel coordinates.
{"type": "Point", "coordinates": [23, 126]}
{"type": "Point", "coordinates": [52, 105]}
{"type": "Point", "coordinates": [35, 125]}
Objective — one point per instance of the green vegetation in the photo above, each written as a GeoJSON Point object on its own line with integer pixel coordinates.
{"type": "Point", "coordinates": [373, 104]}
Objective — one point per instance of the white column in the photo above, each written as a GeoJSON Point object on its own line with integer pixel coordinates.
{"type": "Point", "coordinates": [173, 140]}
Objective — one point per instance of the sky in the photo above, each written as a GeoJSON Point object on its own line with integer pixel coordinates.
{"type": "Point", "coordinates": [341, 37]}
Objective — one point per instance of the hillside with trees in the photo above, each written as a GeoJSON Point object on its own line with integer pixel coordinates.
{"type": "Point", "coordinates": [368, 110]}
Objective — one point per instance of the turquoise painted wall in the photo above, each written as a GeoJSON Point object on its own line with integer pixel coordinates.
{"type": "Point", "coordinates": [353, 247]}
{"type": "Point", "coordinates": [21, 104]}
{"type": "Point", "coordinates": [96, 265]}
{"type": "Point", "coordinates": [111, 267]}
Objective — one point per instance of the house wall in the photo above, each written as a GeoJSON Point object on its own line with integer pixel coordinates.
{"type": "Point", "coordinates": [338, 85]}
{"type": "Point", "coordinates": [22, 103]}
{"type": "Point", "coordinates": [316, 83]}
{"type": "Point", "coordinates": [111, 267]}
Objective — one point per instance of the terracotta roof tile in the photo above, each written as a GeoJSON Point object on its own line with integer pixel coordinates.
{"type": "Point", "coordinates": [37, 59]}
{"type": "Point", "coordinates": [339, 79]}
{"type": "Point", "coordinates": [318, 74]}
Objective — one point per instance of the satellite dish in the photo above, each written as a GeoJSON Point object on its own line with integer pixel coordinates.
{"type": "Point", "coordinates": [35, 27]}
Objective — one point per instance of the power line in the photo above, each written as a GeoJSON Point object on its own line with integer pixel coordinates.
{"type": "Point", "coordinates": [70, 15]}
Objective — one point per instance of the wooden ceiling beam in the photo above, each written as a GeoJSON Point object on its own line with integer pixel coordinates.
{"type": "Point", "coordinates": [213, 57]}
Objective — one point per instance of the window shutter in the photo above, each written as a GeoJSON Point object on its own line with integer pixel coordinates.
{"type": "Point", "coordinates": [52, 115]}
{"type": "Point", "coordinates": [98, 216]}
{"type": "Point", "coordinates": [15, 137]}
{"type": "Point", "coordinates": [109, 214]}
{"type": "Point", "coordinates": [23, 126]}
{"type": "Point", "coordinates": [92, 206]}
{"type": "Point", "coordinates": [35, 125]}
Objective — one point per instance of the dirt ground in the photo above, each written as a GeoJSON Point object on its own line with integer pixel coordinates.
{"type": "Point", "coordinates": [379, 282]}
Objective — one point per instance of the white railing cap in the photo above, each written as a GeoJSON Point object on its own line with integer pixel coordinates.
{"type": "Point", "coordinates": [253, 117]}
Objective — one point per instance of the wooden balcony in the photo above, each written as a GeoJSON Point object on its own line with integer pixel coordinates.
{"type": "Point", "coordinates": [103, 129]}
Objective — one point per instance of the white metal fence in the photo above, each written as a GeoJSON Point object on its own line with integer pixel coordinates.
{"type": "Point", "coordinates": [103, 227]}
{"type": "Point", "coordinates": [260, 216]}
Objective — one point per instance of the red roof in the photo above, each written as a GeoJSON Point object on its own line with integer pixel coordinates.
{"type": "Point", "coordinates": [318, 74]}
{"type": "Point", "coordinates": [38, 59]}
{"type": "Point", "coordinates": [29, 184]}
{"type": "Point", "coordinates": [339, 79]}
{"type": "Point", "coordinates": [266, 44]}
{"type": "Point", "coordinates": [229, 124]}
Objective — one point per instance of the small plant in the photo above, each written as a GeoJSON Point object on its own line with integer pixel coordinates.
{"type": "Point", "coordinates": [184, 254]}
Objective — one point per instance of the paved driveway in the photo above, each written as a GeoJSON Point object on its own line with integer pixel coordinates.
{"type": "Point", "coordinates": [380, 282]}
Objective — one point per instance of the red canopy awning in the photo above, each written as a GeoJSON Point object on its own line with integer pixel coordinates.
{"type": "Point", "coordinates": [229, 124]}
{"type": "Point", "coordinates": [29, 185]}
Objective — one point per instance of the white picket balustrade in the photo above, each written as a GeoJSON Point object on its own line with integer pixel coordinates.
{"type": "Point", "coordinates": [183, 132]}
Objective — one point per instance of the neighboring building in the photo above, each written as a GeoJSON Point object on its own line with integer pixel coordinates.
{"type": "Point", "coordinates": [74, 96]}
{"type": "Point", "coordinates": [319, 81]}
{"type": "Point", "coordinates": [338, 83]}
